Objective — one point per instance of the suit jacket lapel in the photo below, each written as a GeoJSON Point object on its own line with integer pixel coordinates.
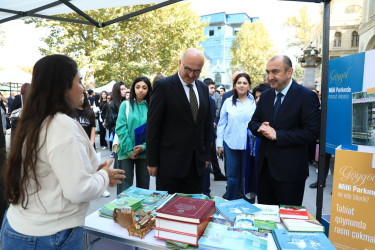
{"type": "Point", "coordinates": [201, 98]}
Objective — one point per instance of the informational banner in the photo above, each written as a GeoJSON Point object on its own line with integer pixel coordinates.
{"type": "Point", "coordinates": [351, 101]}
{"type": "Point", "coordinates": [352, 224]}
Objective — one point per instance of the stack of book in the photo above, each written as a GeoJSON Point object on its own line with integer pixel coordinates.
{"type": "Point", "coordinates": [218, 236]}
{"type": "Point", "coordinates": [294, 212]}
{"type": "Point", "coordinates": [298, 219]}
{"type": "Point", "coordinates": [301, 240]}
{"type": "Point", "coordinates": [230, 209]}
{"type": "Point", "coordinates": [122, 202]}
{"type": "Point", "coordinates": [183, 219]}
{"type": "Point", "coordinates": [151, 199]}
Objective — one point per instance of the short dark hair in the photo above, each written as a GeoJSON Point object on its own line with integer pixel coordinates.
{"type": "Point", "coordinates": [209, 81]}
{"type": "Point", "coordinates": [90, 91]}
{"type": "Point", "coordinates": [261, 87]}
{"type": "Point", "coordinates": [286, 60]}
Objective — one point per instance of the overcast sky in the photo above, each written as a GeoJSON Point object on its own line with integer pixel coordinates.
{"type": "Point", "coordinates": [22, 41]}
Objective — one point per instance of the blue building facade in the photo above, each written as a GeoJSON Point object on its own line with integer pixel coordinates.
{"type": "Point", "coordinates": [221, 32]}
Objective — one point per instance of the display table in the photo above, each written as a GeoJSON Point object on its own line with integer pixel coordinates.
{"type": "Point", "coordinates": [97, 228]}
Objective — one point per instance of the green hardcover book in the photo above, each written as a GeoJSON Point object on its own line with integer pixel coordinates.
{"type": "Point", "coordinates": [133, 203]}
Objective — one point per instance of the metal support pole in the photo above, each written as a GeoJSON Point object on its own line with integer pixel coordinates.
{"type": "Point", "coordinates": [323, 121]}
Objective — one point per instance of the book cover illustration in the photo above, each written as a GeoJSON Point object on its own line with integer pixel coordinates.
{"type": "Point", "coordinates": [178, 245]}
{"type": "Point", "coordinates": [265, 225]}
{"type": "Point", "coordinates": [294, 212]}
{"type": "Point", "coordinates": [150, 197]}
{"type": "Point", "coordinates": [195, 196]}
{"type": "Point", "coordinates": [218, 236]}
{"type": "Point", "coordinates": [230, 209]}
{"type": "Point", "coordinates": [133, 203]}
{"type": "Point", "coordinates": [301, 240]}
{"type": "Point", "coordinates": [245, 222]}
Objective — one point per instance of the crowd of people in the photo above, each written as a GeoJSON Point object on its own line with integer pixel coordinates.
{"type": "Point", "coordinates": [175, 129]}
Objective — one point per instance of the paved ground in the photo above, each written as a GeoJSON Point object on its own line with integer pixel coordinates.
{"type": "Point", "coordinates": [218, 189]}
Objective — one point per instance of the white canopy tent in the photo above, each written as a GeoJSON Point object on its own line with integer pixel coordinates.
{"type": "Point", "coordinates": [11, 10]}
{"type": "Point", "coordinates": [14, 75]}
{"type": "Point", "coordinates": [108, 87]}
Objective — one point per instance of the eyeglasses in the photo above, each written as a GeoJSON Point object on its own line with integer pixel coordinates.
{"type": "Point", "coordinates": [189, 70]}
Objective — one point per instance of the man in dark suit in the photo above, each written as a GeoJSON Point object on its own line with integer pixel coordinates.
{"type": "Point", "coordinates": [179, 128]}
{"type": "Point", "coordinates": [287, 119]}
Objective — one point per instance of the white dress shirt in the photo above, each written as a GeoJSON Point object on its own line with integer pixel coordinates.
{"type": "Point", "coordinates": [187, 89]}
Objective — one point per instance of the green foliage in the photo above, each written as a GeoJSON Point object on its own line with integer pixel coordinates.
{"type": "Point", "coordinates": [303, 28]}
{"type": "Point", "coordinates": [2, 37]}
{"type": "Point", "coordinates": [251, 50]}
{"type": "Point", "coordinates": [148, 44]}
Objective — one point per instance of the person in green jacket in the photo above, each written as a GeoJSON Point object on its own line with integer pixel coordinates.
{"type": "Point", "coordinates": [133, 114]}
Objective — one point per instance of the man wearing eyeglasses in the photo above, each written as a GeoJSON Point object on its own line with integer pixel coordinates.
{"type": "Point", "coordinates": [179, 127]}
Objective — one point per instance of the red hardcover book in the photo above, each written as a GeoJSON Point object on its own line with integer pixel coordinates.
{"type": "Point", "coordinates": [186, 209]}
{"type": "Point", "coordinates": [175, 236]}
{"type": "Point", "coordinates": [195, 229]}
{"type": "Point", "coordinates": [294, 212]}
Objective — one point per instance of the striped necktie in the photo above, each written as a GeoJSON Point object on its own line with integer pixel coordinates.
{"type": "Point", "coordinates": [193, 102]}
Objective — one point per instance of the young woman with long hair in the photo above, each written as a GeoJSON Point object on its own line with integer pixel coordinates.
{"type": "Point", "coordinates": [102, 102]}
{"type": "Point", "coordinates": [236, 112]}
{"type": "Point", "coordinates": [52, 172]}
{"type": "Point", "coordinates": [133, 114]}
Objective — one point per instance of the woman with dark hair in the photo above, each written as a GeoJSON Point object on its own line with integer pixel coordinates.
{"type": "Point", "coordinates": [18, 102]}
{"type": "Point", "coordinates": [86, 117]}
{"type": "Point", "coordinates": [236, 112]}
{"type": "Point", "coordinates": [52, 172]}
{"type": "Point", "coordinates": [102, 102]}
{"type": "Point", "coordinates": [132, 115]}
{"type": "Point", "coordinates": [118, 96]}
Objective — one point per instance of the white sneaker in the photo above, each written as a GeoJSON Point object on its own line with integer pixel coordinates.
{"type": "Point", "coordinates": [106, 194]}
{"type": "Point", "coordinates": [104, 148]}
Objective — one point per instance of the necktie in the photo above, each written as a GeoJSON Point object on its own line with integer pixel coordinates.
{"type": "Point", "coordinates": [277, 104]}
{"type": "Point", "coordinates": [193, 102]}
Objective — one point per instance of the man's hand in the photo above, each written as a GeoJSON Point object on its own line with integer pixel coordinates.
{"type": "Point", "coordinates": [220, 151]}
{"type": "Point", "coordinates": [138, 149]}
{"type": "Point", "coordinates": [207, 164]}
{"type": "Point", "coordinates": [268, 131]}
{"type": "Point", "coordinates": [152, 170]}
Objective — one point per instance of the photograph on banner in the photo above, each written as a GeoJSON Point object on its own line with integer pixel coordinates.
{"type": "Point", "coordinates": [351, 101]}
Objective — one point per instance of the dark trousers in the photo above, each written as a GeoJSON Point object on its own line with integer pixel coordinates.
{"type": "Point", "coordinates": [272, 192]}
{"type": "Point", "coordinates": [190, 184]}
{"type": "Point", "coordinates": [206, 182]}
{"type": "Point", "coordinates": [103, 142]}
{"type": "Point", "coordinates": [214, 161]}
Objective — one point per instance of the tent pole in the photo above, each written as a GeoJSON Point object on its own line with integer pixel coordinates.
{"type": "Point", "coordinates": [323, 121]}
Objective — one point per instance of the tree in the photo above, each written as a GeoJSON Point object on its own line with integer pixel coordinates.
{"type": "Point", "coordinates": [303, 28]}
{"type": "Point", "coordinates": [148, 44]}
{"type": "Point", "coordinates": [251, 50]}
{"type": "Point", "coordinates": [2, 37]}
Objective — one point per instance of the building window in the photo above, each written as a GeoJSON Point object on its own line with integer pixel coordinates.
{"type": "Point", "coordinates": [211, 32]}
{"type": "Point", "coordinates": [355, 39]}
{"type": "Point", "coordinates": [337, 40]}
